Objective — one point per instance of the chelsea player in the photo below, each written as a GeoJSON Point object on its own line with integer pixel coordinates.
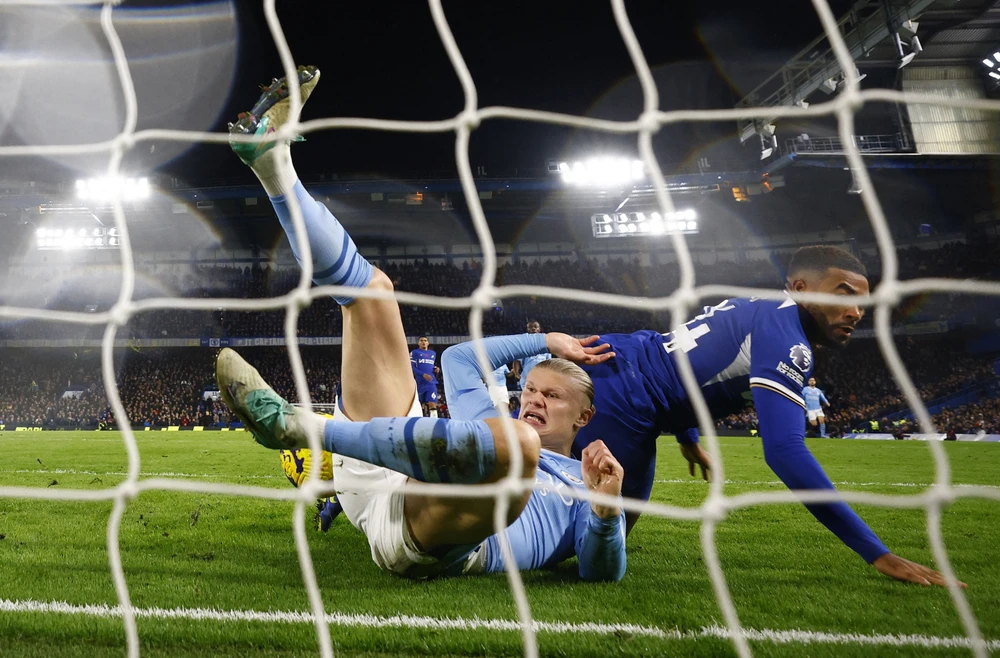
{"type": "Point", "coordinates": [815, 401]}
{"type": "Point", "coordinates": [422, 360]}
{"type": "Point", "coordinates": [739, 349]}
{"type": "Point", "coordinates": [378, 438]}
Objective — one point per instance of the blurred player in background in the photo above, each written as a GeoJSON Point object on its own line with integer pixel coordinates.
{"type": "Point", "coordinates": [815, 401]}
{"type": "Point", "coordinates": [523, 366]}
{"type": "Point", "coordinates": [423, 361]}
{"type": "Point", "coordinates": [377, 437]}
{"type": "Point", "coordinates": [497, 382]}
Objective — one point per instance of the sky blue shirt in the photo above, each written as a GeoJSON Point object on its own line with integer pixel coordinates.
{"type": "Point", "coordinates": [812, 397]}
{"type": "Point", "coordinates": [500, 376]}
{"type": "Point", "coordinates": [554, 526]}
{"type": "Point", "coordinates": [530, 362]}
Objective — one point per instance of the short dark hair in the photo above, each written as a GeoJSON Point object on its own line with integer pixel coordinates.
{"type": "Point", "coordinates": [419, 337]}
{"type": "Point", "coordinates": [821, 258]}
{"type": "Point", "coordinates": [533, 321]}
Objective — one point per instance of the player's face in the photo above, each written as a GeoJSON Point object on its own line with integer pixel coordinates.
{"type": "Point", "coordinates": [836, 322]}
{"type": "Point", "coordinates": [812, 381]}
{"type": "Point", "coordinates": [423, 343]}
{"type": "Point", "coordinates": [534, 328]}
{"type": "Point", "coordinates": [552, 405]}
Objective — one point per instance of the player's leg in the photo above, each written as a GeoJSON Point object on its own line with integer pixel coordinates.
{"type": "Point", "coordinates": [822, 425]}
{"type": "Point", "coordinates": [425, 449]}
{"type": "Point", "coordinates": [375, 355]}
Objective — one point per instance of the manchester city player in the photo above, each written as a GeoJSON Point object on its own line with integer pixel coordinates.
{"type": "Point", "coordinates": [422, 360]}
{"type": "Point", "coordinates": [815, 401]}
{"type": "Point", "coordinates": [523, 366]}
{"type": "Point", "coordinates": [377, 451]}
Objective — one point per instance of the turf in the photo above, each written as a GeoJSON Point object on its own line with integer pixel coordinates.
{"type": "Point", "coordinates": [183, 550]}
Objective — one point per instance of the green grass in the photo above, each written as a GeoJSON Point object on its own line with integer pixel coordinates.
{"type": "Point", "coordinates": [785, 571]}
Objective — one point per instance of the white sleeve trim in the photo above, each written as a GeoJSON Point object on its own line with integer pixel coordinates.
{"type": "Point", "coordinates": [770, 383]}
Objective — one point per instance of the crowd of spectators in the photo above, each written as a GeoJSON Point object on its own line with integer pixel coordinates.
{"type": "Point", "coordinates": [98, 288]}
{"type": "Point", "coordinates": [165, 387]}
{"type": "Point", "coordinates": [982, 416]}
{"type": "Point", "coordinates": [860, 388]}
{"type": "Point", "coordinates": [158, 388]}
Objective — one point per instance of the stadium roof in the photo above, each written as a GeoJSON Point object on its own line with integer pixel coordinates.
{"type": "Point", "coordinates": [950, 32]}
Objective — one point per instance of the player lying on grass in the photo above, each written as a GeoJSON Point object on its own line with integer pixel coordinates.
{"type": "Point", "coordinates": [378, 449]}
{"type": "Point", "coordinates": [737, 347]}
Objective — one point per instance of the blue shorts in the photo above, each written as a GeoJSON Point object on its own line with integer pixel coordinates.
{"type": "Point", "coordinates": [427, 393]}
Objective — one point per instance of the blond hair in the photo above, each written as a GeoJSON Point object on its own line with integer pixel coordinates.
{"type": "Point", "coordinates": [577, 376]}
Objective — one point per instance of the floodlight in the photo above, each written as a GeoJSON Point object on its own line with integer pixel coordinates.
{"type": "Point", "coordinates": [108, 189]}
{"type": "Point", "coordinates": [601, 171]}
{"type": "Point", "coordinates": [996, 56]}
{"type": "Point", "coordinates": [988, 62]}
{"type": "Point", "coordinates": [995, 75]}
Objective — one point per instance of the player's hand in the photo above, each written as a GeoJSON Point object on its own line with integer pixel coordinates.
{"type": "Point", "coordinates": [582, 351]}
{"type": "Point", "coordinates": [602, 474]}
{"type": "Point", "coordinates": [437, 370]}
{"type": "Point", "coordinates": [902, 569]}
{"type": "Point", "coordinates": [694, 454]}
{"type": "Point", "coordinates": [428, 377]}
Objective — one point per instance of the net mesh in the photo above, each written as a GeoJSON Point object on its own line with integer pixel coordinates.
{"type": "Point", "coordinates": [687, 296]}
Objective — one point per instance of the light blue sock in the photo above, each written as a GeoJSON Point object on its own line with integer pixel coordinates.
{"type": "Point", "coordinates": [336, 260]}
{"type": "Point", "coordinates": [427, 449]}
{"type": "Point", "coordinates": [822, 429]}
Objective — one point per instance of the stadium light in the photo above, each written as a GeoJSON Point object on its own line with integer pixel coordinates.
{"type": "Point", "coordinates": [108, 189]}
{"type": "Point", "coordinates": [601, 172]}
{"type": "Point", "coordinates": [76, 237]}
{"type": "Point", "coordinates": [618, 225]}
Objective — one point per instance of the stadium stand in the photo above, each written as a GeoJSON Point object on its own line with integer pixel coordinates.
{"type": "Point", "coordinates": [166, 387]}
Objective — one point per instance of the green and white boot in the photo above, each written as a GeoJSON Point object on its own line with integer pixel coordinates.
{"type": "Point", "coordinates": [274, 422]}
{"type": "Point", "coordinates": [272, 110]}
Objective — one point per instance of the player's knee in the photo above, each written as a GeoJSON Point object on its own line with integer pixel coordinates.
{"type": "Point", "coordinates": [527, 440]}
{"type": "Point", "coordinates": [380, 281]}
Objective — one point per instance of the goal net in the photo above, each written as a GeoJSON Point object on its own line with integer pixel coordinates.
{"type": "Point", "coordinates": [679, 304]}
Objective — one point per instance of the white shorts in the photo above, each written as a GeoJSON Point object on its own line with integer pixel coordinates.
{"type": "Point", "coordinates": [814, 414]}
{"type": "Point", "coordinates": [373, 500]}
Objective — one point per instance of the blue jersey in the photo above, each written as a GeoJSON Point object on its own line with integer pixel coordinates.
{"type": "Point", "coordinates": [530, 362]}
{"type": "Point", "coordinates": [740, 349]}
{"type": "Point", "coordinates": [422, 363]}
{"type": "Point", "coordinates": [554, 526]}
{"type": "Point", "coordinates": [812, 397]}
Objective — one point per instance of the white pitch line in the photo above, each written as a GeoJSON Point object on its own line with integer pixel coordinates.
{"type": "Point", "coordinates": [460, 623]}
{"type": "Point", "coordinates": [840, 484]}
{"type": "Point", "coordinates": [169, 474]}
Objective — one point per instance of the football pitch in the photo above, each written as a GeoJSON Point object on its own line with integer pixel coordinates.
{"type": "Point", "coordinates": [214, 575]}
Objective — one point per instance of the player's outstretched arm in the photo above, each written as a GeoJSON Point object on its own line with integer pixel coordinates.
{"type": "Point", "coordinates": [782, 429]}
{"type": "Point", "coordinates": [600, 530]}
{"type": "Point", "coordinates": [469, 398]}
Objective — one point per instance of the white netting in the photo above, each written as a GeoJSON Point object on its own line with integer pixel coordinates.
{"type": "Point", "coordinates": [686, 297]}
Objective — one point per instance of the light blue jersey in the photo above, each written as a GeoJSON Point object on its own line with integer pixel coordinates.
{"type": "Point", "coordinates": [554, 526]}
{"type": "Point", "coordinates": [500, 376]}
{"type": "Point", "coordinates": [530, 362]}
{"type": "Point", "coordinates": [813, 397]}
